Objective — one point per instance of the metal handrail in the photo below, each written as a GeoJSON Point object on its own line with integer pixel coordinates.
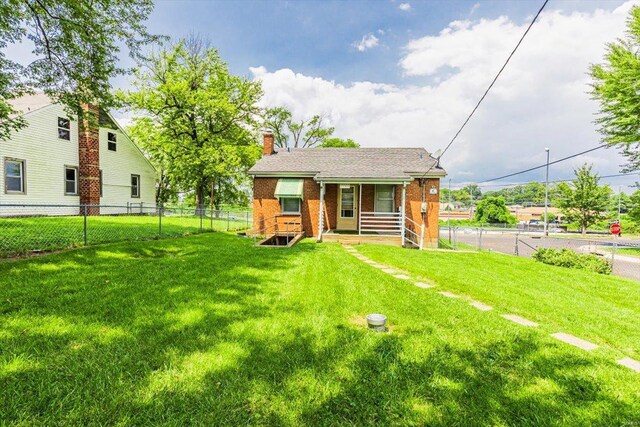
{"type": "Point", "coordinates": [419, 237]}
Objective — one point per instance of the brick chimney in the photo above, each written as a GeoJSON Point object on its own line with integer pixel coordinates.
{"type": "Point", "coordinates": [268, 143]}
{"type": "Point", "coordinates": [89, 159]}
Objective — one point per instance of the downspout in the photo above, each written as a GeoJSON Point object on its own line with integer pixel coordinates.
{"type": "Point", "coordinates": [360, 210]}
{"type": "Point", "coordinates": [321, 213]}
{"type": "Point", "coordinates": [404, 217]}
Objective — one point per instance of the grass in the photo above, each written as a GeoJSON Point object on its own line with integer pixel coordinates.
{"type": "Point", "coordinates": [602, 309]}
{"type": "Point", "coordinates": [210, 330]}
{"type": "Point", "coordinates": [24, 235]}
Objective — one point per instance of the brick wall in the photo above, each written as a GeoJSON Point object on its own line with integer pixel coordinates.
{"type": "Point", "coordinates": [413, 206]}
{"type": "Point", "coordinates": [89, 161]}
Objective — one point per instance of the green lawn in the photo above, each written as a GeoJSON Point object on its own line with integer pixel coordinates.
{"type": "Point", "coordinates": [210, 330]}
{"type": "Point", "coordinates": [24, 235]}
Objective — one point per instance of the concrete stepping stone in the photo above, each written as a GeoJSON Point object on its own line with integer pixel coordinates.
{"type": "Point", "coordinates": [480, 306]}
{"type": "Point", "coordinates": [402, 276]}
{"type": "Point", "coordinates": [448, 294]}
{"type": "Point", "coordinates": [424, 285]}
{"type": "Point", "coordinates": [370, 261]}
{"type": "Point", "coordinates": [575, 341]}
{"type": "Point", "coordinates": [630, 363]}
{"type": "Point", "coordinates": [520, 320]}
{"type": "Point", "coordinates": [389, 270]}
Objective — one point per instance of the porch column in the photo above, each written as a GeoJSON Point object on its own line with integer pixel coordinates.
{"type": "Point", "coordinates": [321, 213]}
{"type": "Point", "coordinates": [404, 216]}
{"type": "Point", "coordinates": [359, 210]}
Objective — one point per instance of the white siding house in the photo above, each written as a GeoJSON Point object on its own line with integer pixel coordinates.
{"type": "Point", "coordinates": [40, 163]}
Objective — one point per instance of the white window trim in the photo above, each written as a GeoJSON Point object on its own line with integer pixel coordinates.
{"type": "Point", "coordinates": [77, 180]}
{"type": "Point", "coordinates": [23, 175]}
{"type": "Point", "coordinates": [282, 211]}
{"type": "Point", "coordinates": [137, 195]}
{"type": "Point", "coordinates": [63, 128]}
{"type": "Point", "coordinates": [115, 143]}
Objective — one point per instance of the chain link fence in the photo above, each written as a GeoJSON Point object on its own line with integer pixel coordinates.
{"type": "Point", "coordinates": [623, 253]}
{"type": "Point", "coordinates": [27, 229]}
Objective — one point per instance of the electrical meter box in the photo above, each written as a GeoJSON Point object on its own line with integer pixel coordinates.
{"type": "Point", "coordinates": [423, 207]}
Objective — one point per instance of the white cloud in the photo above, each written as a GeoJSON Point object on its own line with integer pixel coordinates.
{"type": "Point", "coordinates": [368, 41]}
{"type": "Point", "coordinates": [405, 7]}
{"type": "Point", "coordinates": [540, 100]}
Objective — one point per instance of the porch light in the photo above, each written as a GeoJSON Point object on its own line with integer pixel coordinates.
{"type": "Point", "coordinates": [377, 322]}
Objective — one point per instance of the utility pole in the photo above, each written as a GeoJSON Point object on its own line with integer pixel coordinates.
{"type": "Point", "coordinates": [546, 198]}
{"type": "Point", "coordinates": [619, 201]}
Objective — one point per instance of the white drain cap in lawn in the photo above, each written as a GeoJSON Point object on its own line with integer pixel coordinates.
{"type": "Point", "coordinates": [377, 321]}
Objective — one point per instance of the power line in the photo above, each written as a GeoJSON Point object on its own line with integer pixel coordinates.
{"type": "Point", "coordinates": [541, 166]}
{"type": "Point", "coordinates": [555, 181]}
{"type": "Point", "coordinates": [494, 79]}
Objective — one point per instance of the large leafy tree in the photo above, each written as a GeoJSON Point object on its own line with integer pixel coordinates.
{"type": "Point", "coordinates": [615, 86]}
{"type": "Point", "coordinates": [493, 210]}
{"type": "Point", "coordinates": [339, 143]}
{"type": "Point", "coordinates": [583, 200]}
{"type": "Point", "coordinates": [76, 45]}
{"type": "Point", "coordinates": [202, 119]}
{"type": "Point", "coordinates": [288, 132]}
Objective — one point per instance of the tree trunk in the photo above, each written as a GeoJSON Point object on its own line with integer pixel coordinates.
{"type": "Point", "coordinates": [200, 195]}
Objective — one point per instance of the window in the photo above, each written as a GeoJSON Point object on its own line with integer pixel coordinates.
{"type": "Point", "coordinates": [111, 141]}
{"type": "Point", "coordinates": [14, 176]}
{"type": "Point", "coordinates": [384, 198]}
{"type": "Point", "coordinates": [290, 205]}
{"type": "Point", "coordinates": [135, 185]}
{"type": "Point", "coordinates": [70, 181]}
{"type": "Point", "coordinates": [347, 202]}
{"type": "Point", "coordinates": [64, 128]}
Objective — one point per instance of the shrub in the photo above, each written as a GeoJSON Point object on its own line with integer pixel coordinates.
{"type": "Point", "coordinates": [493, 210]}
{"type": "Point", "coordinates": [572, 259]}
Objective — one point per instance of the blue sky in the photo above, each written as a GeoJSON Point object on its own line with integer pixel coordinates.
{"type": "Point", "coordinates": [406, 73]}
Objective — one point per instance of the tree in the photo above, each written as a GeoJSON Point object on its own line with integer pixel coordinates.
{"type": "Point", "coordinates": [583, 200]}
{"type": "Point", "coordinates": [634, 206]}
{"type": "Point", "coordinates": [288, 132]}
{"type": "Point", "coordinates": [615, 86]}
{"type": "Point", "coordinates": [337, 142]}
{"type": "Point", "coordinates": [473, 190]}
{"type": "Point", "coordinates": [493, 210]}
{"type": "Point", "coordinates": [76, 44]}
{"type": "Point", "coordinates": [202, 119]}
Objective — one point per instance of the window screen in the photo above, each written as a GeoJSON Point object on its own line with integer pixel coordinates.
{"type": "Point", "coordinates": [14, 176]}
{"type": "Point", "coordinates": [111, 141]}
{"type": "Point", "coordinates": [290, 205]}
{"type": "Point", "coordinates": [71, 181]}
{"type": "Point", "coordinates": [64, 128]}
{"type": "Point", "coordinates": [347, 202]}
{"type": "Point", "coordinates": [135, 185]}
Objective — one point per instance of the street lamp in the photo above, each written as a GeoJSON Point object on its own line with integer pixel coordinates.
{"type": "Point", "coordinates": [546, 198]}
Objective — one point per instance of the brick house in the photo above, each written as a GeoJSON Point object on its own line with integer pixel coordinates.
{"type": "Point", "coordinates": [348, 194]}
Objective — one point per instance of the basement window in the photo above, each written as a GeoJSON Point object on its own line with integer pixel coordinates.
{"type": "Point", "coordinates": [111, 141]}
{"type": "Point", "coordinates": [64, 128]}
{"type": "Point", "coordinates": [290, 205]}
{"type": "Point", "coordinates": [70, 181]}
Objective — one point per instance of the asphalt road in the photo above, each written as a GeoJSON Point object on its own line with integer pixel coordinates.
{"type": "Point", "coordinates": [505, 242]}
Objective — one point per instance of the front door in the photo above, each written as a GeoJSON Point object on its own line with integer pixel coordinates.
{"type": "Point", "coordinates": [347, 207]}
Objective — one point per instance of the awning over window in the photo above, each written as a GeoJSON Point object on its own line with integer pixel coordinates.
{"type": "Point", "coordinates": [289, 187]}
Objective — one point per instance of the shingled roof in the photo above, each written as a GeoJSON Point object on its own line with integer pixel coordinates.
{"type": "Point", "coordinates": [327, 164]}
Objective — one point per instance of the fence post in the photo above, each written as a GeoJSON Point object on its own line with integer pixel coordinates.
{"type": "Point", "coordinates": [516, 250]}
{"type": "Point", "coordinates": [247, 227]}
{"type": "Point", "coordinates": [228, 215]}
{"type": "Point", "coordinates": [160, 221]}
{"type": "Point", "coordinates": [86, 239]}
{"type": "Point", "coordinates": [211, 219]}
{"type": "Point", "coordinates": [201, 212]}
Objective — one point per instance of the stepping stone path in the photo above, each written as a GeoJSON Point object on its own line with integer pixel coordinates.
{"type": "Point", "coordinates": [448, 294]}
{"type": "Point", "coordinates": [424, 285]}
{"type": "Point", "coordinates": [575, 341]}
{"type": "Point", "coordinates": [520, 320]}
{"type": "Point", "coordinates": [480, 306]}
{"type": "Point", "coordinates": [630, 363]}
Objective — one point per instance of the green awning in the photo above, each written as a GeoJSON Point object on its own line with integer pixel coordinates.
{"type": "Point", "coordinates": [289, 187]}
